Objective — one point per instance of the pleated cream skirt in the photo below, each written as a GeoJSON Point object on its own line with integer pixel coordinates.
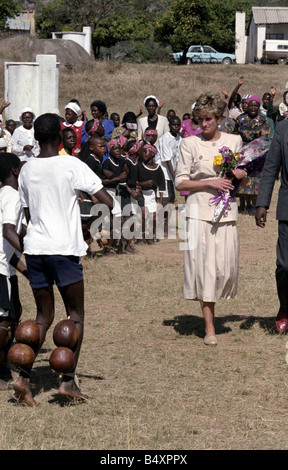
{"type": "Point", "coordinates": [211, 260]}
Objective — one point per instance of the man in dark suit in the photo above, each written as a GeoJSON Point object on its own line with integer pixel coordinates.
{"type": "Point", "coordinates": [277, 160]}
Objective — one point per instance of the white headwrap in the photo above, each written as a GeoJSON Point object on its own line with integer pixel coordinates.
{"type": "Point", "coordinates": [74, 107]}
{"type": "Point", "coordinates": [26, 110]}
{"type": "Point", "coordinates": [152, 97]}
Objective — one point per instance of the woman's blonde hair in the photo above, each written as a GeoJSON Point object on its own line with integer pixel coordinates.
{"type": "Point", "coordinates": [209, 103]}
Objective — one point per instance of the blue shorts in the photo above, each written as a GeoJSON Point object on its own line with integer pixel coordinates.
{"type": "Point", "coordinates": [45, 270]}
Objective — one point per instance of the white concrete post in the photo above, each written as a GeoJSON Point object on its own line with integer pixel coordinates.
{"type": "Point", "coordinates": [31, 84]}
{"type": "Point", "coordinates": [240, 37]}
{"type": "Point", "coordinates": [88, 38]}
{"type": "Point", "coordinates": [48, 83]}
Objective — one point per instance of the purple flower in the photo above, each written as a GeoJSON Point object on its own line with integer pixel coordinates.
{"type": "Point", "coordinates": [224, 150]}
{"type": "Point", "coordinates": [228, 158]}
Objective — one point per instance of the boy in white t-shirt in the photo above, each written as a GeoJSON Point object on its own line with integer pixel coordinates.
{"type": "Point", "coordinates": [54, 243]}
{"type": "Point", "coordinates": [11, 230]}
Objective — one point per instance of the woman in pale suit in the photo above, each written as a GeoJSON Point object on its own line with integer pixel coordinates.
{"type": "Point", "coordinates": [212, 250]}
{"type": "Point", "coordinates": [152, 120]}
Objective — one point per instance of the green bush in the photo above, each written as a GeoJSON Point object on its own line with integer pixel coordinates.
{"type": "Point", "coordinates": [137, 51]}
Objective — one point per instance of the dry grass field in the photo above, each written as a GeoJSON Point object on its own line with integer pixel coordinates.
{"type": "Point", "coordinates": [152, 382]}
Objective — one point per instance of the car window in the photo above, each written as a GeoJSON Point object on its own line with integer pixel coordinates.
{"type": "Point", "coordinates": [195, 49]}
{"type": "Point", "coordinates": [208, 49]}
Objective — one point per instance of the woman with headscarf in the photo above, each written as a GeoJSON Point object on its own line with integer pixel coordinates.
{"type": "Point", "coordinates": [152, 120]}
{"type": "Point", "coordinates": [72, 113]}
{"type": "Point", "coordinates": [250, 126]}
{"type": "Point", "coordinates": [23, 143]}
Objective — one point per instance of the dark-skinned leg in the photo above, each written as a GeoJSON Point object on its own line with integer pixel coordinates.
{"type": "Point", "coordinates": [73, 298]}
{"type": "Point", "coordinates": [5, 335]}
{"type": "Point", "coordinates": [44, 299]}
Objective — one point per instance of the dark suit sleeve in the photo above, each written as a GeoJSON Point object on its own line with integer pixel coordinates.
{"type": "Point", "coordinates": [272, 166]}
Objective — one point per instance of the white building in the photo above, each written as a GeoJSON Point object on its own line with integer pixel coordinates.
{"type": "Point", "coordinates": [265, 23]}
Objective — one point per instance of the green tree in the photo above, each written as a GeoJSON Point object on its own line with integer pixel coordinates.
{"type": "Point", "coordinates": [8, 9]}
{"type": "Point", "coordinates": [110, 20]}
{"type": "Point", "coordinates": [186, 22]}
{"type": "Point", "coordinates": [138, 26]}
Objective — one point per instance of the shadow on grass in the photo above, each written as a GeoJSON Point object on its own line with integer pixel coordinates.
{"type": "Point", "coordinates": [44, 379]}
{"type": "Point", "coordinates": [193, 325]}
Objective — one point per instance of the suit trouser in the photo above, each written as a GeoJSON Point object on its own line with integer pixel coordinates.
{"type": "Point", "coordinates": [282, 265]}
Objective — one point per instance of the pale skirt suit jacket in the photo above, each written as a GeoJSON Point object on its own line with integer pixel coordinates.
{"type": "Point", "coordinates": [162, 126]}
{"type": "Point", "coordinates": [211, 252]}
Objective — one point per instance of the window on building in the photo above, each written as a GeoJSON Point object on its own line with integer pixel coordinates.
{"type": "Point", "coordinates": [275, 36]}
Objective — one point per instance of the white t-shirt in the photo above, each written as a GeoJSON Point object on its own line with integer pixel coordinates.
{"type": "Point", "coordinates": [47, 186]}
{"type": "Point", "coordinates": [10, 213]}
{"type": "Point", "coordinates": [168, 150]}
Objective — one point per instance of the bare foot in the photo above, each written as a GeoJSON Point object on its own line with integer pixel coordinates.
{"type": "Point", "coordinates": [131, 250]}
{"type": "Point", "coordinates": [5, 385]}
{"type": "Point", "coordinates": [69, 389]}
{"type": "Point", "coordinates": [23, 393]}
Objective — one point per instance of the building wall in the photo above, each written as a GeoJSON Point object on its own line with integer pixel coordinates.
{"type": "Point", "coordinates": [251, 46]}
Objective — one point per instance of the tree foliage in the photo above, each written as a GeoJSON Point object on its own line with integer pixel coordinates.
{"type": "Point", "coordinates": [111, 21]}
{"type": "Point", "coordinates": [8, 9]}
{"type": "Point", "coordinates": [186, 22]}
{"type": "Point", "coordinates": [177, 23]}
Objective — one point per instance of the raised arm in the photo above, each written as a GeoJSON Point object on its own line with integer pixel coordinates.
{"type": "Point", "coordinates": [235, 91]}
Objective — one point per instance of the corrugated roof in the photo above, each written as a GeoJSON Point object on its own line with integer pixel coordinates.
{"type": "Point", "coordinates": [17, 24]}
{"type": "Point", "coordinates": [270, 15]}
{"type": "Point", "coordinates": [20, 22]}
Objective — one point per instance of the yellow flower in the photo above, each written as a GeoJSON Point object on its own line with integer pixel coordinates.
{"type": "Point", "coordinates": [218, 160]}
{"type": "Point", "coordinates": [237, 156]}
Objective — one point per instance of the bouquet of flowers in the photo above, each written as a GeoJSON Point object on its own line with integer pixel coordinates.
{"type": "Point", "coordinates": [251, 159]}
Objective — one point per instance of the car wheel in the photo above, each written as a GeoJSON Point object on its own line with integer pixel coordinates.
{"type": "Point", "coordinates": [282, 61]}
{"type": "Point", "coordinates": [226, 61]}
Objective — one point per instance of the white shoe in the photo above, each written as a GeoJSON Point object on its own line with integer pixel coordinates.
{"type": "Point", "coordinates": [210, 340]}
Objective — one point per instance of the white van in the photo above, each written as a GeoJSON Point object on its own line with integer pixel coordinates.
{"type": "Point", "coordinates": [275, 50]}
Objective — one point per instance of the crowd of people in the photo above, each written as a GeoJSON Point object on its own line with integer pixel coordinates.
{"type": "Point", "coordinates": [55, 172]}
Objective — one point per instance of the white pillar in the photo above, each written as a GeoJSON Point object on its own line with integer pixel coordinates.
{"type": "Point", "coordinates": [48, 83]}
{"type": "Point", "coordinates": [240, 37]}
{"type": "Point", "coordinates": [261, 36]}
{"type": "Point", "coordinates": [31, 84]}
{"type": "Point", "coordinates": [88, 38]}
